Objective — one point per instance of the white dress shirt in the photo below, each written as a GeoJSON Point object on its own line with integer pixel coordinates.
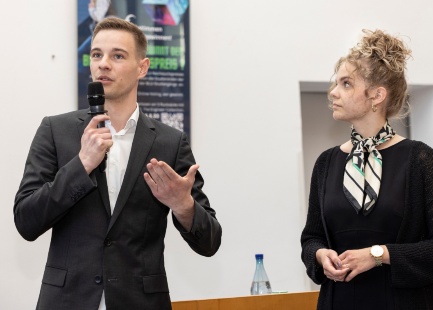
{"type": "Point", "coordinates": [117, 160]}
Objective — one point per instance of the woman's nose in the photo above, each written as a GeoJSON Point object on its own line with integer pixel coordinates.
{"type": "Point", "coordinates": [333, 93]}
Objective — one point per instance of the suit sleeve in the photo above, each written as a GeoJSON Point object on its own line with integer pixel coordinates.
{"type": "Point", "coordinates": [47, 192]}
{"type": "Point", "coordinates": [205, 234]}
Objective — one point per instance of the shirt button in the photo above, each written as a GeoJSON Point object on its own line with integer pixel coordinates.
{"type": "Point", "coordinates": [108, 242]}
{"type": "Point", "coordinates": [98, 279]}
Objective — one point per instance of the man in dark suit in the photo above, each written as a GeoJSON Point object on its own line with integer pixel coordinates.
{"type": "Point", "coordinates": [108, 228]}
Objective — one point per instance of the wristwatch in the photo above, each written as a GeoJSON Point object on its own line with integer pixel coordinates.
{"type": "Point", "coordinates": [376, 252]}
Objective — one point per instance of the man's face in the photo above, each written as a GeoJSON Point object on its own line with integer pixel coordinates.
{"type": "Point", "coordinates": [115, 63]}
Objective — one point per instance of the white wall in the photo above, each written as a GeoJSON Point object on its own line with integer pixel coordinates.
{"type": "Point", "coordinates": [422, 124]}
{"type": "Point", "coordinates": [247, 60]}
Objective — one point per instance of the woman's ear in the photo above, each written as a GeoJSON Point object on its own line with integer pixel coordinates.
{"type": "Point", "coordinates": [379, 95]}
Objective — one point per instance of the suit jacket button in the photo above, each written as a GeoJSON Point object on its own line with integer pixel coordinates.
{"type": "Point", "coordinates": [107, 242]}
{"type": "Point", "coordinates": [98, 279]}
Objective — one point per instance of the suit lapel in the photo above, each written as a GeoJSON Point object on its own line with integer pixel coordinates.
{"type": "Point", "coordinates": [83, 121]}
{"type": "Point", "coordinates": [141, 146]}
{"type": "Point", "coordinates": [103, 189]}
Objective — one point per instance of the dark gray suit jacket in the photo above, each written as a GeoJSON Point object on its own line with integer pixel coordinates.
{"type": "Point", "coordinates": [92, 250]}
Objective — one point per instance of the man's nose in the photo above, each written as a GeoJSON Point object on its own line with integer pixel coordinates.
{"type": "Point", "coordinates": [104, 63]}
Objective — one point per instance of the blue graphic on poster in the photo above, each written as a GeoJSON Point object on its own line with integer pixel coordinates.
{"type": "Point", "coordinates": [164, 94]}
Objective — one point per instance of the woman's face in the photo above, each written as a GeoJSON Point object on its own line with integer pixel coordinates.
{"type": "Point", "coordinates": [349, 100]}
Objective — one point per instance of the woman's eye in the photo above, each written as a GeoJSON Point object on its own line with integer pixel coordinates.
{"type": "Point", "coordinates": [346, 84]}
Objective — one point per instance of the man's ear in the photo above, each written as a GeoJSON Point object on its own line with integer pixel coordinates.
{"type": "Point", "coordinates": [144, 67]}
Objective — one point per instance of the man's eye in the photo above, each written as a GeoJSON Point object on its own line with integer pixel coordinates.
{"type": "Point", "coordinates": [95, 55]}
{"type": "Point", "coordinates": [117, 56]}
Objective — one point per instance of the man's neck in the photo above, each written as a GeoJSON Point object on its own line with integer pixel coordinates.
{"type": "Point", "coordinates": [120, 113]}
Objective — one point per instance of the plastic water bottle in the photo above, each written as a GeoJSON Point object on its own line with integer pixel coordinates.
{"type": "Point", "coordinates": [261, 284]}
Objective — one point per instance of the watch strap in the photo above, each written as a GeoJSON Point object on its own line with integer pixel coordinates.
{"type": "Point", "coordinates": [378, 260]}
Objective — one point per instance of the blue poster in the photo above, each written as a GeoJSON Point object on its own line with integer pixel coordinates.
{"type": "Point", "coordinates": [164, 94]}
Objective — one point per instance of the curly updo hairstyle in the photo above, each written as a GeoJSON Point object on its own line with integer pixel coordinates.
{"type": "Point", "coordinates": [380, 59]}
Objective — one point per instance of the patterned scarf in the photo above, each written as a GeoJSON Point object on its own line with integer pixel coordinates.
{"type": "Point", "coordinates": [361, 182]}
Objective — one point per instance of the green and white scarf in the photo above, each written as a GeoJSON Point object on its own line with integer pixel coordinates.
{"type": "Point", "coordinates": [362, 178]}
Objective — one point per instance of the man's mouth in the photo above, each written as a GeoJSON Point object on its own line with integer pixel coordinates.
{"type": "Point", "coordinates": [104, 79]}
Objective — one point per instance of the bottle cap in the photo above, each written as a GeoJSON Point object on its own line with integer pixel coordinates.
{"type": "Point", "coordinates": [259, 256]}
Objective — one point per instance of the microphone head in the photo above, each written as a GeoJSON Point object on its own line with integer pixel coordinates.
{"type": "Point", "coordinates": [95, 94]}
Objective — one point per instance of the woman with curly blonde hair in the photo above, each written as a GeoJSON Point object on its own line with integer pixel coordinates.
{"type": "Point", "coordinates": [368, 238]}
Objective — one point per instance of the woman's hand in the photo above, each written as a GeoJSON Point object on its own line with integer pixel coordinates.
{"type": "Point", "coordinates": [358, 261]}
{"type": "Point", "coordinates": [333, 267]}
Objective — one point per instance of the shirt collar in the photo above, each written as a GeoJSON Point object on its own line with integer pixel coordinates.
{"type": "Point", "coordinates": [131, 123]}
{"type": "Point", "coordinates": [133, 119]}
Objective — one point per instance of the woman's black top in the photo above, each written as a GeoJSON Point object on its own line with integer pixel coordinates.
{"type": "Point", "coordinates": [349, 230]}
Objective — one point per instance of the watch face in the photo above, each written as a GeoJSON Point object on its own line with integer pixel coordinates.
{"type": "Point", "coordinates": [376, 251]}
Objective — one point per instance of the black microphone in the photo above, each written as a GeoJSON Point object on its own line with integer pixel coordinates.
{"type": "Point", "coordinates": [96, 97]}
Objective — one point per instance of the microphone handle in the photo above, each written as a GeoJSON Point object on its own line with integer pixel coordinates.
{"type": "Point", "coordinates": [101, 124]}
{"type": "Point", "coordinates": [103, 164]}
{"type": "Point", "coordinates": [96, 111]}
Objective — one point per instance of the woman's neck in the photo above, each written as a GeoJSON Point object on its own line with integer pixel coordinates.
{"type": "Point", "coordinates": [369, 129]}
